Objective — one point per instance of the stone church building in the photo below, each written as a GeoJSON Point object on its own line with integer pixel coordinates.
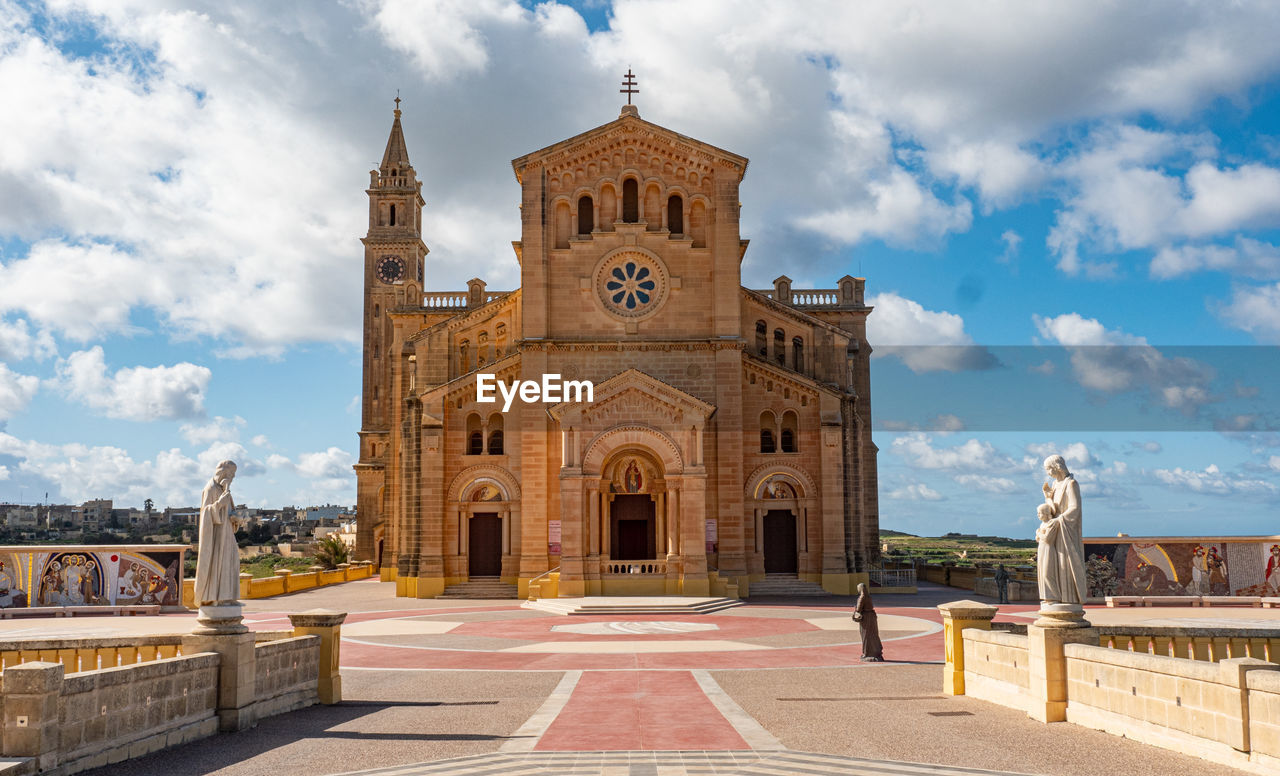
{"type": "Point", "coordinates": [729, 435]}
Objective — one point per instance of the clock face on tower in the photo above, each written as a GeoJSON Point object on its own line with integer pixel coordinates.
{"type": "Point", "coordinates": [391, 269]}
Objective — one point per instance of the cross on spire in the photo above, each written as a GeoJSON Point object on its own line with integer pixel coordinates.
{"type": "Point", "coordinates": [397, 102]}
{"type": "Point", "coordinates": [629, 82]}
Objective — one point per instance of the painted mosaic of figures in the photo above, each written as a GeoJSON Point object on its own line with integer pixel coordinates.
{"type": "Point", "coordinates": [1190, 567]}
{"type": "Point", "coordinates": [45, 576]}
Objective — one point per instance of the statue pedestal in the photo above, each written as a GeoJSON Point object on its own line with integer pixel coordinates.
{"type": "Point", "coordinates": [220, 619]}
{"type": "Point", "coordinates": [1061, 616]}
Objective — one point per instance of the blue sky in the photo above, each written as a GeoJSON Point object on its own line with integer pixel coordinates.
{"type": "Point", "coordinates": [1068, 215]}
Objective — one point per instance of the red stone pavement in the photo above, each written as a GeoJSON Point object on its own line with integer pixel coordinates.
{"type": "Point", "coordinates": [639, 710]}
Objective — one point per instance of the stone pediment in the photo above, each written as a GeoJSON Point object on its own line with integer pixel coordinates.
{"type": "Point", "coordinates": [630, 131]}
{"type": "Point", "coordinates": [634, 397]}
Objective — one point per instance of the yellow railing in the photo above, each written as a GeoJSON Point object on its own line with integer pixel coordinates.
{"type": "Point", "coordinates": [286, 581]}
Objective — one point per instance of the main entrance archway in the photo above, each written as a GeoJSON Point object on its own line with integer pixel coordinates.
{"type": "Point", "coordinates": [633, 527]}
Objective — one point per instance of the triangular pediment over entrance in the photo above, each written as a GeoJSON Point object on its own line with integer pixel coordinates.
{"type": "Point", "coordinates": [634, 397]}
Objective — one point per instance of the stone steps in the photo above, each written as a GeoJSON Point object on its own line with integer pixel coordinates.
{"type": "Point", "coordinates": [637, 605]}
{"type": "Point", "coordinates": [480, 587]}
{"type": "Point", "coordinates": [727, 763]}
{"type": "Point", "coordinates": [785, 585]}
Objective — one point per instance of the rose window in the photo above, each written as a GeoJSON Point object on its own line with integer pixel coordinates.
{"type": "Point", "coordinates": [631, 284]}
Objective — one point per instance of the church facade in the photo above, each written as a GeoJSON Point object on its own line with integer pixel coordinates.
{"type": "Point", "coordinates": [728, 431]}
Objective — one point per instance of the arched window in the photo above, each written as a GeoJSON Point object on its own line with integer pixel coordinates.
{"type": "Point", "coordinates": [562, 221]}
{"type": "Point", "coordinates": [482, 348]}
{"type": "Point", "coordinates": [464, 356]}
{"type": "Point", "coordinates": [495, 434]}
{"type": "Point", "coordinates": [762, 332]}
{"type": "Point", "coordinates": [393, 215]}
{"type": "Point", "coordinates": [767, 442]}
{"type": "Point", "coordinates": [790, 435]}
{"type": "Point", "coordinates": [698, 224]}
{"type": "Point", "coordinates": [500, 347]}
{"type": "Point", "coordinates": [675, 214]}
{"type": "Point", "coordinates": [780, 347]}
{"type": "Point", "coordinates": [586, 216]}
{"type": "Point", "coordinates": [475, 435]}
{"type": "Point", "coordinates": [797, 354]}
{"type": "Point", "coordinates": [630, 201]}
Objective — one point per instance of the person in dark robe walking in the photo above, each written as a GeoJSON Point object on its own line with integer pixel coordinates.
{"type": "Point", "coordinates": [864, 613]}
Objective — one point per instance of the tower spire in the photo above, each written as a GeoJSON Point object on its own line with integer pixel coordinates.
{"type": "Point", "coordinates": [397, 154]}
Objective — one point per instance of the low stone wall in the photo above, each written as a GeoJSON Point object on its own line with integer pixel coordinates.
{"type": "Point", "coordinates": [1019, 589]}
{"type": "Point", "coordinates": [996, 667]}
{"type": "Point", "coordinates": [286, 675]}
{"type": "Point", "coordinates": [69, 722]}
{"type": "Point", "coordinates": [1201, 691]}
{"type": "Point", "coordinates": [118, 713]}
{"type": "Point", "coordinates": [1194, 707]}
{"type": "Point", "coordinates": [1264, 718]}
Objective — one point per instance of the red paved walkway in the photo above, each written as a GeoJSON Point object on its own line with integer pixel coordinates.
{"type": "Point", "coordinates": [645, 710]}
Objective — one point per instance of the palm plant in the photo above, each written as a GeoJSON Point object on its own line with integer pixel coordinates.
{"type": "Point", "coordinates": [331, 551]}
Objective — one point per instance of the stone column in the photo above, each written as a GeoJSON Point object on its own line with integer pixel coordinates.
{"type": "Point", "coordinates": [246, 586]}
{"type": "Point", "coordinates": [237, 672]}
{"type": "Point", "coordinates": [326, 624]}
{"type": "Point", "coordinates": [31, 692]}
{"type": "Point", "coordinates": [956, 616]}
{"type": "Point", "coordinates": [1047, 663]}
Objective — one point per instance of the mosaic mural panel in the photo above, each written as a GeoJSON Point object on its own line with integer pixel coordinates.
{"type": "Point", "coordinates": [90, 576]}
{"type": "Point", "coordinates": [1217, 566]}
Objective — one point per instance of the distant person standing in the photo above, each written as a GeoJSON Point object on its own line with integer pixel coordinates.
{"type": "Point", "coordinates": [864, 613]}
{"type": "Point", "coordinates": [1002, 584]}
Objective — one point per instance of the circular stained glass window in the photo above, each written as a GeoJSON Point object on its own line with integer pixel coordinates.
{"type": "Point", "coordinates": [631, 284]}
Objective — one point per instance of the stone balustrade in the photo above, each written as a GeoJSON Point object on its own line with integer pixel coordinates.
{"type": "Point", "coordinates": [635, 567]}
{"type": "Point", "coordinates": [91, 654]}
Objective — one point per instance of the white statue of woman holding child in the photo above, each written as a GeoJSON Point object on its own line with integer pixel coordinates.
{"type": "Point", "coordinates": [1060, 567]}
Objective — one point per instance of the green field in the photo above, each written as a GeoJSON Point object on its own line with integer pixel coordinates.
{"type": "Point", "coordinates": [941, 549]}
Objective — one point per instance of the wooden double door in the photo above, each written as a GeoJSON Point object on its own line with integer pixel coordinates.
{"type": "Point", "coordinates": [781, 555]}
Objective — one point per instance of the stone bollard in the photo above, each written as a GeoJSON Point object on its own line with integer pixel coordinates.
{"type": "Point", "coordinates": [246, 584]}
{"type": "Point", "coordinates": [346, 571]}
{"type": "Point", "coordinates": [1234, 672]}
{"type": "Point", "coordinates": [956, 616]}
{"type": "Point", "coordinates": [31, 692]}
{"type": "Point", "coordinates": [284, 577]}
{"type": "Point", "coordinates": [327, 624]}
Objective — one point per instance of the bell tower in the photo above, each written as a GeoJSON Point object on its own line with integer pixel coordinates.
{"type": "Point", "coordinates": [394, 259]}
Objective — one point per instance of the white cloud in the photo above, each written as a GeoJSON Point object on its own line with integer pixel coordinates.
{"type": "Point", "coordinates": [898, 210]}
{"type": "Point", "coordinates": [134, 393]}
{"type": "Point", "coordinates": [925, 340]}
{"type": "Point", "coordinates": [334, 462]}
{"type": "Point", "coordinates": [219, 429]}
{"type": "Point", "coordinates": [1012, 243]}
{"type": "Point", "coordinates": [4, 473]}
{"type": "Point", "coordinates": [17, 343]}
{"type": "Point", "coordinates": [1112, 361]}
{"type": "Point", "coordinates": [1215, 481]}
{"type": "Point", "coordinates": [261, 440]}
{"type": "Point", "coordinates": [1076, 454]}
{"type": "Point", "coordinates": [1274, 463]}
{"type": "Point", "coordinates": [919, 452]}
{"type": "Point", "coordinates": [16, 391]}
{"type": "Point", "coordinates": [986, 484]}
{"type": "Point", "coordinates": [917, 491]}
{"type": "Point", "coordinates": [1255, 309]}
{"type": "Point", "coordinates": [1247, 258]}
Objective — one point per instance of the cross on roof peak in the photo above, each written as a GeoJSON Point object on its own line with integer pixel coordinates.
{"type": "Point", "coordinates": [629, 84]}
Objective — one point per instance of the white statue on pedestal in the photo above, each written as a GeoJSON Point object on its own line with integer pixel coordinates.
{"type": "Point", "coordinates": [217, 587]}
{"type": "Point", "coordinates": [1060, 567]}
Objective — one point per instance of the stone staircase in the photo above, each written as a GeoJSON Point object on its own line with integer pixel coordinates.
{"type": "Point", "coordinates": [785, 586]}
{"type": "Point", "coordinates": [631, 605]}
{"type": "Point", "coordinates": [480, 587]}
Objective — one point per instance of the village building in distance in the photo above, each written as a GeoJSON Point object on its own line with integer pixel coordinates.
{"type": "Point", "coordinates": [728, 435]}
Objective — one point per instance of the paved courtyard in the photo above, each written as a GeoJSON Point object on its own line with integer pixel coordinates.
{"type": "Point", "coordinates": [775, 686]}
